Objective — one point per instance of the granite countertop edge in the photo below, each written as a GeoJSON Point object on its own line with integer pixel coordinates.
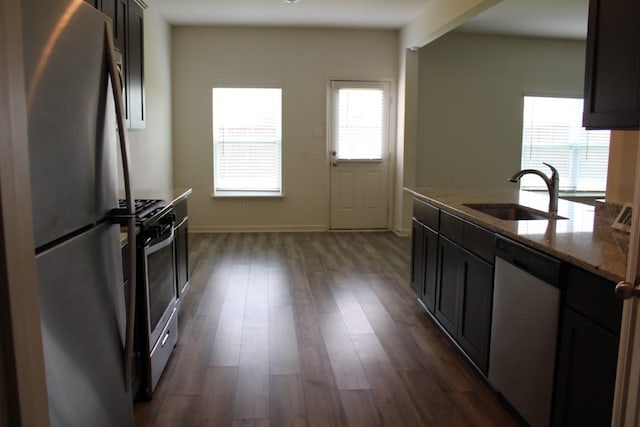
{"type": "Point", "coordinates": [577, 240]}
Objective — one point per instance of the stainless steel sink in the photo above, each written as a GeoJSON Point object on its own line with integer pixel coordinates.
{"type": "Point", "coordinates": [511, 211]}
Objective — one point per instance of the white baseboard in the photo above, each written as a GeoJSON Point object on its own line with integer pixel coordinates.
{"type": "Point", "coordinates": [258, 228]}
{"type": "Point", "coordinates": [402, 232]}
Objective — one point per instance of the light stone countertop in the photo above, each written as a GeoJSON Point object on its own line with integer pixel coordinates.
{"type": "Point", "coordinates": [579, 239]}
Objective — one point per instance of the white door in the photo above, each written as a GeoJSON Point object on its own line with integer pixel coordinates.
{"type": "Point", "coordinates": [625, 405]}
{"type": "Point", "coordinates": [359, 155]}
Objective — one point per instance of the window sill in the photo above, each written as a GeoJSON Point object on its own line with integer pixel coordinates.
{"type": "Point", "coordinates": [248, 194]}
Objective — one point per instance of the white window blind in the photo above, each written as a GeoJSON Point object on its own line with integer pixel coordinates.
{"type": "Point", "coordinates": [553, 133]}
{"type": "Point", "coordinates": [247, 139]}
{"type": "Point", "coordinates": [360, 111]}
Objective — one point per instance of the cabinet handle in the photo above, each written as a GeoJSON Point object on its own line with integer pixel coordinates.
{"type": "Point", "coordinates": [626, 290]}
{"type": "Point", "coordinates": [164, 340]}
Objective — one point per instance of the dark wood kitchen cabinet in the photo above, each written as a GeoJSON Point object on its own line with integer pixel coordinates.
{"type": "Point", "coordinates": [135, 67]}
{"type": "Point", "coordinates": [117, 11]}
{"type": "Point", "coordinates": [464, 300]}
{"type": "Point", "coordinates": [464, 285]}
{"type": "Point", "coordinates": [612, 73]}
{"type": "Point", "coordinates": [424, 246]}
{"type": "Point", "coordinates": [127, 17]}
{"type": "Point", "coordinates": [181, 248]}
{"type": "Point", "coordinates": [588, 351]}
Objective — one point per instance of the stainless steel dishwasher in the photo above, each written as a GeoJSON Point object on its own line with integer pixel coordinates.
{"type": "Point", "coordinates": [524, 329]}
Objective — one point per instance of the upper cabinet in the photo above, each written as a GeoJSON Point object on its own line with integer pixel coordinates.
{"type": "Point", "coordinates": [135, 69]}
{"type": "Point", "coordinates": [127, 19]}
{"type": "Point", "coordinates": [612, 75]}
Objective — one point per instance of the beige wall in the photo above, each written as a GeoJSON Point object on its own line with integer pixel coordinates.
{"type": "Point", "coordinates": [302, 61]}
{"type": "Point", "coordinates": [151, 147]}
{"type": "Point", "coordinates": [470, 103]}
{"type": "Point", "coordinates": [621, 174]}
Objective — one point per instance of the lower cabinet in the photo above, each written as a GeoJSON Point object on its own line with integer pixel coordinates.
{"type": "Point", "coordinates": [182, 248]}
{"type": "Point", "coordinates": [424, 264]}
{"type": "Point", "coordinates": [586, 378]}
{"type": "Point", "coordinates": [587, 351]}
{"type": "Point", "coordinates": [464, 297]}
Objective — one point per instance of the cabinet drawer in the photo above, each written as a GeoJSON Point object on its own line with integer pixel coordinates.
{"type": "Point", "coordinates": [479, 241]}
{"type": "Point", "coordinates": [180, 210]}
{"type": "Point", "coordinates": [163, 349]}
{"type": "Point", "coordinates": [451, 227]}
{"type": "Point", "coordinates": [426, 214]}
{"type": "Point", "coordinates": [594, 297]}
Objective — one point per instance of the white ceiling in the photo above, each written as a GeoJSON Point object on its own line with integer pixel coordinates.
{"type": "Point", "coordinates": [542, 18]}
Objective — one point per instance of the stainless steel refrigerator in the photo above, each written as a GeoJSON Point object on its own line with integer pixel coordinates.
{"type": "Point", "coordinates": [73, 150]}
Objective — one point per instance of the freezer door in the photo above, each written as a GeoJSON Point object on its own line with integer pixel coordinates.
{"type": "Point", "coordinates": [72, 145]}
{"type": "Point", "coordinates": [82, 314]}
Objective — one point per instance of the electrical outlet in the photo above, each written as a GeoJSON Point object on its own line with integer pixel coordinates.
{"type": "Point", "coordinates": [244, 205]}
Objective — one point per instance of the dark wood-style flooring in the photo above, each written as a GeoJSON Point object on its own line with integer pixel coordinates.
{"type": "Point", "coordinates": [317, 329]}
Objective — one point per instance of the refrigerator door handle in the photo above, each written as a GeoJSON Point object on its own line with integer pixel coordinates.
{"type": "Point", "coordinates": [115, 76]}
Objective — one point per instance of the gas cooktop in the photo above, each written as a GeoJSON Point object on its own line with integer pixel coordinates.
{"type": "Point", "coordinates": [147, 210]}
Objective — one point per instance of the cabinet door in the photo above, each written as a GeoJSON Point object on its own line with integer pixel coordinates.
{"type": "Point", "coordinates": [475, 311]}
{"type": "Point", "coordinates": [429, 273]}
{"type": "Point", "coordinates": [586, 373]}
{"type": "Point", "coordinates": [94, 3]}
{"type": "Point", "coordinates": [117, 11]}
{"type": "Point", "coordinates": [612, 75]}
{"type": "Point", "coordinates": [182, 258]}
{"type": "Point", "coordinates": [417, 257]}
{"type": "Point", "coordinates": [135, 67]}
{"type": "Point", "coordinates": [451, 267]}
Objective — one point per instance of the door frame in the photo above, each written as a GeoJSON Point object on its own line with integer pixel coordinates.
{"type": "Point", "coordinates": [626, 411]}
{"type": "Point", "coordinates": [391, 141]}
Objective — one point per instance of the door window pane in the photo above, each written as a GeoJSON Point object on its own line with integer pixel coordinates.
{"type": "Point", "coordinates": [360, 124]}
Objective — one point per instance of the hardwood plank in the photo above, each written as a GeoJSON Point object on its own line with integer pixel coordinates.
{"type": "Point", "coordinates": [175, 410]}
{"type": "Point", "coordinates": [322, 296]}
{"type": "Point", "coordinates": [283, 345]}
{"type": "Point", "coordinates": [287, 401]}
{"type": "Point", "coordinates": [400, 348]}
{"type": "Point", "coordinates": [304, 311]}
{"type": "Point", "coordinates": [226, 347]}
{"type": "Point", "coordinates": [345, 363]}
{"type": "Point", "coordinates": [436, 406]}
{"type": "Point", "coordinates": [320, 392]}
{"type": "Point", "coordinates": [387, 389]}
{"type": "Point", "coordinates": [354, 318]}
{"type": "Point", "coordinates": [360, 411]}
{"type": "Point", "coordinates": [252, 389]}
{"type": "Point", "coordinates": [215, 406]}
{"type": "Point", "coordinates": [192, 359]}
{"type": "Point", "coordinates": [251, 422]}
{"type": "Point", "coordinates": [256, 312]}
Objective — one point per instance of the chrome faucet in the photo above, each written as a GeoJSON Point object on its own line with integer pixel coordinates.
{"type": "Point", "coordinates": [553, 184]}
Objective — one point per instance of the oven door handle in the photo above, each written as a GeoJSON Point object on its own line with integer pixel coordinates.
{"type": "Point", "coordinates": [115, 78]}
{"type": "Point", "coordinates": [148, 250]}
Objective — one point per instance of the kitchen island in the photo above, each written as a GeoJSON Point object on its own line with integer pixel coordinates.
{"type": "Point", "coordinates": [529, 300]}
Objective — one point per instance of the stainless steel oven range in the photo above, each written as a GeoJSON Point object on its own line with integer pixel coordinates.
{"type": "Point", "coordinates": [156, 308]}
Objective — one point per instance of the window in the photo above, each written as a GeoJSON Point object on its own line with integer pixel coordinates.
{"type": "Point", "coordinates": [360, 119]}
{"type": "Point", "coordinates": [553, 133]}
{"type": "Point", "coordinates": [247, 141]}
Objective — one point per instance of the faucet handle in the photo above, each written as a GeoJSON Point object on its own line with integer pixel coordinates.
{"type": "Point", "coordinates": [554, 171]}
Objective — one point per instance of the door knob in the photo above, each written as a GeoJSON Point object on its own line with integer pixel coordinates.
{"type": "Point", "coordinates": [626, 290]}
